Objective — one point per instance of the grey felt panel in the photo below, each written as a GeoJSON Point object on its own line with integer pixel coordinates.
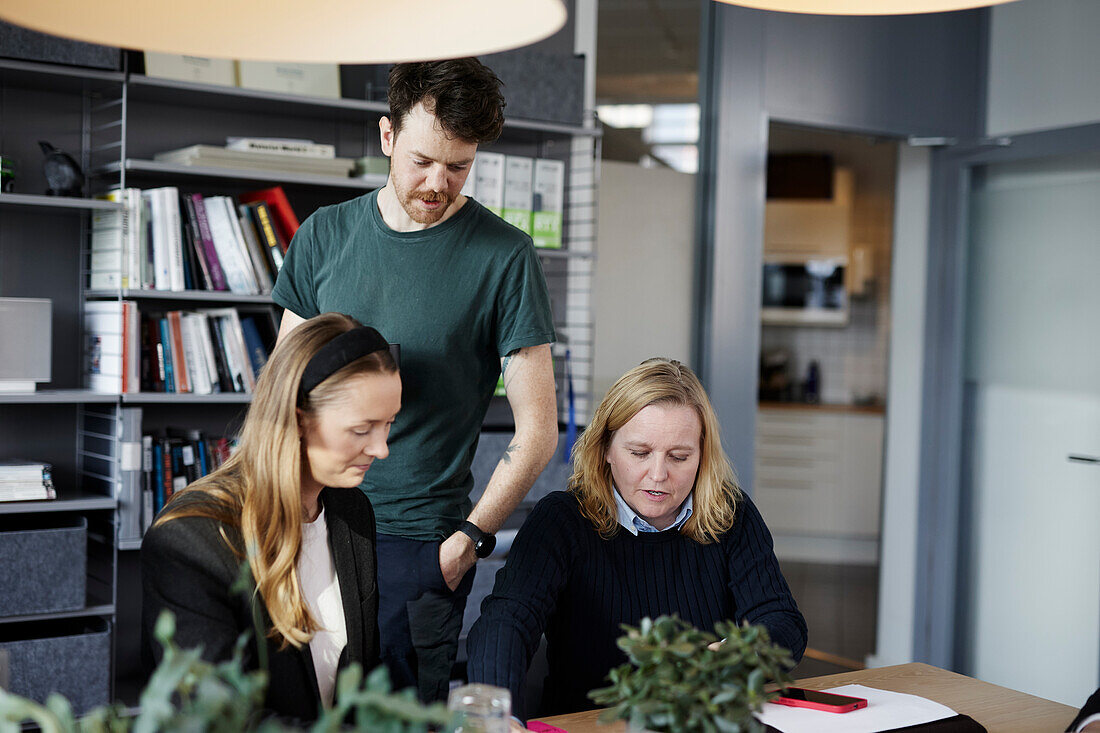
{"type": "Point", "coordinates": [42, 568]}
{"type": "Point", "coordinates": [491, 447]}
{"type": "Point", "coordinates": [22, 43]}
{"type": "Point", "coordinates": [75, 662]}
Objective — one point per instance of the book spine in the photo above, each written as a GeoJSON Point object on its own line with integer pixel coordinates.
{"type": "Point", "coordinates": [251, 274]}
{"type": "Point", "coordinates": [255, 253]}
{"type": "Point", "coordinates": [201, 454]}
{"type": "Point", "coordinates": [217, 276]}
{"type": "Point", "coordinates": [179, 467]}
{"type": "Point", "coordinates": [108, 261]}
{"type": "Point", "coordinates": [167, 474]}
{"type": "Point", "coordinates": [126, 306]}
{"type": "Point", "coordinates": [194, 241]}
{"type": "Point", "coordinates": [131, 238]}
{"type": "Point", "coordinates": [277, 202]}
{"type": "Point", "coordinates": [266, 227]}
{"type": "Point", "coordinates": [166, 357]}
{"type": "Point", "coordinates": [225, 379]}
{"type": "Point", "coordinates": [130, 465]}
{"type": "Point", "coordinates": [152, 357]}
{"type": "Point", "coordinates": [257, 354]}
{"type": "Point", "coordinates": [104, 364]}
{"type": "Point", "coordinates": [148, 254]}
{"type": "Point", "coordinates": [160, 493]}
{"type": "Point", "coordinates": [283, 147]}
{"type": "Point", "coordinates": [171, 198]}
{"type": "Point", "coordinates": [191, 273]}
{"type": "Point", "coordinates": [236, 336]}
{"type": "Point", "coordinates": [192, 355]}
{"type": "Point", "coordinates": [201, 324]}
{"type": "Point", "coordinates": [235, 353]}
{"type": "Point", "coordinates": [230, 255]}
{"type": "Point", "coordinates": [158, 239]}
{"type": "Point", "coordinates": [148, 493]}
{"type": "Point", "coordinates": [179, 356]}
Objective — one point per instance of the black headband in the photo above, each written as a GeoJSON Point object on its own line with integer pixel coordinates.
{"type": "Point", "coordinates": [339, 352]}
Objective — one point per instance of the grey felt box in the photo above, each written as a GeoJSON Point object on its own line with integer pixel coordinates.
{"type": "Point", "coordinates": [71, 657]}
{"type": "Point", "coordinates": [43, 564]}
{"type": "Point", "coordinates": [23, 43]}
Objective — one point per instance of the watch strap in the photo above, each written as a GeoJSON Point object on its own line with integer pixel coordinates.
{"type": "Point", "coordinates": [480, 537]}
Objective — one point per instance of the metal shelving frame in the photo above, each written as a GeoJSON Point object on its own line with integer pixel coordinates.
{"type": "Point", "coordinates": [106, 129]}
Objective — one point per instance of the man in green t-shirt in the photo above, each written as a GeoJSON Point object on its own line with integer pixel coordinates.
{"type": "Point", "coordinates": [463, 294]}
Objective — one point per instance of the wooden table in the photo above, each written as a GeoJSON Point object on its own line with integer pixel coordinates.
{"type": "Point", "coordinates": [999, 709]}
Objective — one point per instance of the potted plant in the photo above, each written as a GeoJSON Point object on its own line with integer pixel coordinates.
{"type": "Point", "coordinates": [186, 693]}
{"type": "Point", "coordinates": [680, 680]}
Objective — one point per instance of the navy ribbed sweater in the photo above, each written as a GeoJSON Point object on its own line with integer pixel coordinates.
{"type": "Point", "coordinates": [564, 580]}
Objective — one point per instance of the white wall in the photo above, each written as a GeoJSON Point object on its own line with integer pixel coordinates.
{"type": "Point", "coordinates": [644, 281]}
{"type": "Point", "coordinates": [898, 565]}
{"type": "Point", "coordinates": [1044, 65]}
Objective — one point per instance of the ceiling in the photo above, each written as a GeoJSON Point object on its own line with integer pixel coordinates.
{"type": "Point", "coordinates": [647, 51]}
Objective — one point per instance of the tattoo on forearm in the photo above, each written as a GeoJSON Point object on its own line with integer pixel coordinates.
{"type": "Point", "coordinates": [507, 457]}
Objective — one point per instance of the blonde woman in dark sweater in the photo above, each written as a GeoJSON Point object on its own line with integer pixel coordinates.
{"type": "Point", "coordinates": [653, 523]}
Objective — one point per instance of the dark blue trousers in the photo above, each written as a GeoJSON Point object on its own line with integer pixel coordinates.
{"type": "Point", "coordinates": [419, 617]}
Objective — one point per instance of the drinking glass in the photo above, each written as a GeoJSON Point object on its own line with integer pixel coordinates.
{"type": "Point", "coordinates": [485, 709]}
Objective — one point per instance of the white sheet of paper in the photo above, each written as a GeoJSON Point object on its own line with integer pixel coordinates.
{"type": "Point", "coordinates": [885, 711]}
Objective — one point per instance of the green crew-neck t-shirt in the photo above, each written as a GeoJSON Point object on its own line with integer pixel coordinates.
{"type": "Point", "coordinates": [457, 297]}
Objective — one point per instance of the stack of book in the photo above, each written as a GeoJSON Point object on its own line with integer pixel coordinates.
{"type": "Point", "coordinates": [162, 240]}
{"type": "Point", "coordinates": [174, 458]}
{"type": "Point", "coordinates": [26, 481]}
{"type": "Point", "coordinates": [200, 352]}
{"type": "Point", "coordinates": [262, 154]}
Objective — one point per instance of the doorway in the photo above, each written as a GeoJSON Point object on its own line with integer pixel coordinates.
{"type": "Point", "coordinates": [823, 378]}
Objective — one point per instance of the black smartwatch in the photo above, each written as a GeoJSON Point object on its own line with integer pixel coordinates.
{"type": "Point", "coordinates": [483, 541]}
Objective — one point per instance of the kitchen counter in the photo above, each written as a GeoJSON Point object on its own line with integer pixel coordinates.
{"type": "Point", "coordinates": [876, 409]}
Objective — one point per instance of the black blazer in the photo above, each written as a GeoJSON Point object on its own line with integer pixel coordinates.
{"type": "Point", "coordinates": [1092, 707]}
{"type": "Point", "coordinates": [187, 568]}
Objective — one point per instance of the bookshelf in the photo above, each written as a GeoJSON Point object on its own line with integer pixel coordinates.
{"type": "Point", "coordinates": [151, 89]}
{"type": "Point", "coordinates": [173, 171]}
{"type": "Point", "coordinates": [181, 296]}
{"type": "Point", "coordinates": [55, 397]}
{"type": "Point", "coordinates": [170, 398]}
{"type": "Point", "coordinates": [113, 123]}
{"type": "Point", "coordinates": [76, 500]}
{"type": "Point", "coordinates": [52, 203]}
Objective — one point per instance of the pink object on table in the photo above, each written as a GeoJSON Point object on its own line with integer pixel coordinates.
{"type": "Point", "coordinates": [540, 727]}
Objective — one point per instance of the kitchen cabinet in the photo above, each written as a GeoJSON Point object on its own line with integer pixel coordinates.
{"type": "Point", "coordinates": [819, 481]}
{"type": "Point", "coordinates": [799, 229]}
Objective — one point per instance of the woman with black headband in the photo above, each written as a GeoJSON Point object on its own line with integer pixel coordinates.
{"type": "Point", "coordinates": [287, 502]}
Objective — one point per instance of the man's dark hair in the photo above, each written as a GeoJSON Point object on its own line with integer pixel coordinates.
{"type": "Point", "coordinates": [463, 94]}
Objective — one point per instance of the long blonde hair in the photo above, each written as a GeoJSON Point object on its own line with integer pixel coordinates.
{"type": "Point", "coordinates": [655, 382]}
{"type": "Point", "coordinates": [258, 490]}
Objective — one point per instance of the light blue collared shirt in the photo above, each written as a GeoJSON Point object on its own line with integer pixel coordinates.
{"type": "Point", "coordinates": [632, 523]}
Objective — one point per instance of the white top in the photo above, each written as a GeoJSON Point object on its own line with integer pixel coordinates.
{"type": "Point", "coordinates": [317, 576]}
{"type": "Point", "coordinates": [1091, 719]}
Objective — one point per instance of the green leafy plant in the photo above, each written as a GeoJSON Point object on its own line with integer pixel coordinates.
{"type": "Point", "coordinates": [186, 693]}
{"type": "Point", "coordinates": [676, 683]}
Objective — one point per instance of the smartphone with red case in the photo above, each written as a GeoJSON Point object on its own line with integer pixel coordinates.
{"type": "Point", "coordinates": [798, 697]}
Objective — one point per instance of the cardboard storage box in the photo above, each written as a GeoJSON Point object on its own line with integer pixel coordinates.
{"type": "Point", "coordinates": [43, 564]}
{"type": "Point", "coordinates": [71, 657]}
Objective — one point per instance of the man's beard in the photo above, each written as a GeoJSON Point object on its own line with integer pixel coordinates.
{"type": "Point", "coordinates": [410, 203]}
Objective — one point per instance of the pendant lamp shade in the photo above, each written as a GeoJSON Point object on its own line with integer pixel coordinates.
{"type": "Point", "coordinates": [864, 7]}
{"type": "Point", "coordinates": [324, 31]}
